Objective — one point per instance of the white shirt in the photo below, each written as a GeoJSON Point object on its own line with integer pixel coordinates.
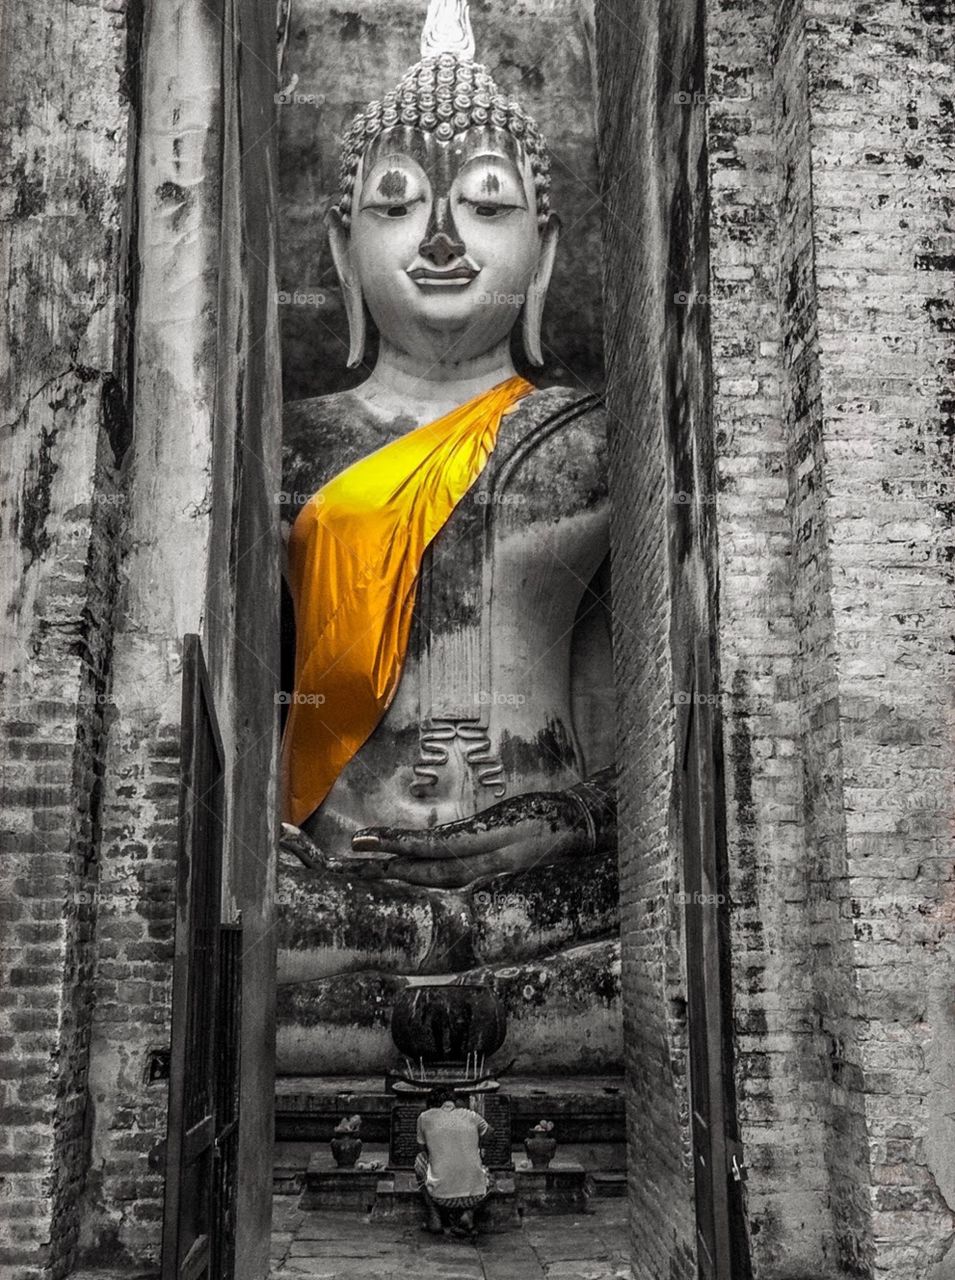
{"type": "Point", "coordinates": [451, 1135]}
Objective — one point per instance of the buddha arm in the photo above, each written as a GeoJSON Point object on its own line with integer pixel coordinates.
{"type": "Point", "coordinates": [538, 827]}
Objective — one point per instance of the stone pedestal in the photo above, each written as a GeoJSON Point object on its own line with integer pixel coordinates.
{"type": "Point", "coordinates": [607, 1183]}
{"type": "Point", "coordinates": [560, 1188]}
{"type": "Point", "coordinates": [585, 1109]}
{"type": "Point", "coordinates": [336, 1188]}
{"type": "Point", "coordinates": [288, 1178]}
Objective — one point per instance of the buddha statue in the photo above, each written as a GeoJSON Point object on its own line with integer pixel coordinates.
{"type": "Point", "coordinates": [449, 741]}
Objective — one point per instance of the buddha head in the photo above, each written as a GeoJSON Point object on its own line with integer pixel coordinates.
{"type": "Point", "coordinates": [443, 227]}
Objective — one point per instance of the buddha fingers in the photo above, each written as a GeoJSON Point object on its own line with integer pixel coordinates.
{"type": "Point", "coordinates": [514, 835]}
{"type": "Point", "coordinates": [458, 873]}
{"type": "Point", "coordinates": [492, 828]}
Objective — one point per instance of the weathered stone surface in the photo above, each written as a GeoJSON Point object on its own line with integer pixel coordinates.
{"type": "Point", "coordinates": [351, 1188]}
{"type": "Point", "coordinates": [563, 1013]}
{"type": "Point", "coordinates": [657, 352]}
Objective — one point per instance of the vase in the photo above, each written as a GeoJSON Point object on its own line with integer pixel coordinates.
{"type": "Point", "coordinates": [540, 1151]}
{"type": "Point", "coordinates": [446, 1023]}
{"type": "Point", "coordinates": [346, 1149]}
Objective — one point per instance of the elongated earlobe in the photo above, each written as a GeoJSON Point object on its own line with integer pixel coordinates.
{"type": "Point", "coordinates": [351, 287]}
{"type": "Point", "coordinates": [537, 291]}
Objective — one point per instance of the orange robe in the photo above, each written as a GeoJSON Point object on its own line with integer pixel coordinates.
{"type": "Point", "coordinates": [354, 555]}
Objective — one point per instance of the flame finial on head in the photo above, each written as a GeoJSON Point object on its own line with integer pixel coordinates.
{"type": "Point", "coordinates": [447, 29]}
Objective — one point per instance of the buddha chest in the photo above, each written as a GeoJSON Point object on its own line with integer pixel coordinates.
{"type": "Point", "coordinates": [484, 707]}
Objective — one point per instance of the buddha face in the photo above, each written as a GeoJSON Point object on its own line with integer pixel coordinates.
{"type": "Point", "coordinates": [444, 240]}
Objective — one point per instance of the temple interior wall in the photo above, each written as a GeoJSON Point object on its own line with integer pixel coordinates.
{"type": "Point", "coordinates": [776, 748]}
{"type": "Point", "coordinates": [65, 427]}
{"type": "Point", "coordinates": [831, 426]}
{"type": "Point", "coordinates": [657, 361]}
{"type": "Point", "coordinates": [139, 504]}
{"type": "Point", "coordinates": [198, 555]}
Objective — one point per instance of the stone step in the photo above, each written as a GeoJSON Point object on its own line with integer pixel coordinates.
{"type": "Point", "coordinates": [560, 1188]}
{"type": "Point", "coordinates": [288, 1179]}
{"type": "Point", "coordinates": [399, 1200]}
{"type": "Point", "coordinates": [603, 1164]}
{"type": "Point", "coordinates": [352, 1189]}
{"type": "Point", "coordinates": [607, 1183]}
{"type": "Point", "coordinates": [563, 1187]}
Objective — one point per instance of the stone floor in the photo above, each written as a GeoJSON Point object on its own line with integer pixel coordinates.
{"type": "Point", "coordinates": [346, 1246]}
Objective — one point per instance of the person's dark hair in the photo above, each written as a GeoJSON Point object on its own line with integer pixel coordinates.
{"type": "Point", "coordinates": [439, 1095]}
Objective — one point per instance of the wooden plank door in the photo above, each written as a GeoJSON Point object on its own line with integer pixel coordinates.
{"type": "Point", "coordinates": [227, 1063]}
{"type": "Point", "coordinates": [189, 1209]}
{"type": "Point", "coordinates": [721, 1252]}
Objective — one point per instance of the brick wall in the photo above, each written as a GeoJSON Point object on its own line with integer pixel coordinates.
{"type": "Point", "coordinates": [63, 100]}
{"type": "Point", "coordinates": [829, 995]}
{"type": "Point", "coordinates": [819, 560]}
{"type": "Point", "coordinates": [655, 253]}
{"type": "Point", "coordinates": [880, 121]}
{"type": "Point", "coordinates": [851, 875]}
{"type": "Point", "coordinates": [199, 554]}
{"type": "Point", "coordinates": [104, 567]}
{"type": "Point", "coordinates": [773, 624]}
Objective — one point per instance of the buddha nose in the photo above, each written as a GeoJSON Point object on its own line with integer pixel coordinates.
{"type": "Point", "coordinates": [441, 243]}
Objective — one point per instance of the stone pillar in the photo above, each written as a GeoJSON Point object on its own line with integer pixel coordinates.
{"type": "Point", "coordinates": [776, 669]}
{"type": "Point", "coordinates": [64, 89]}
{"type": "Point", "coordinates": [811, 143]}
{"type": "Point", "coordinates": [654, 190]}
{"type": "Point", "coordinates": [881, 167]}
{"type": "Point", "coordinates": [242, 593]}
{"type": "Point", "coordinates": [166, 559]}
{"type": "Point", "coordinates": [200, 554]}
{"type": "Point", "coordinates": [139, 502]}
{"type": "Point", "coordinates": [827, 164]}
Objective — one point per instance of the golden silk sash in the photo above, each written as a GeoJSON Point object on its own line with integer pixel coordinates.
{"type": "Point", "coordinates": [354, 555]}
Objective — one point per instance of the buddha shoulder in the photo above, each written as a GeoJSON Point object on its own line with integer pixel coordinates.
{"type": "Point", "coordinates": [323, 435]}
{"type": "Point", "coordinates": [557, 439]}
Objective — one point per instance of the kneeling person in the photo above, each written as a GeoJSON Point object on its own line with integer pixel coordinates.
{"type": "Point", "coordinates": [449, 1166]}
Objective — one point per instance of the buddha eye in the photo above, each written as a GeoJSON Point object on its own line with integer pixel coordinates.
{"type": "Point", "coordinates": [483, 209]}
{"type": "Point", "coordinates": [383, 209]}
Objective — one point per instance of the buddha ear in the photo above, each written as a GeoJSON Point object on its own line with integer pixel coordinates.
{"type": "Point", "coordinates": [340, 245]}
{"type": "Point", "coordinates": [537, 290]}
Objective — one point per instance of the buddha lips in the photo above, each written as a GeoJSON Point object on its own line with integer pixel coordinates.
{"type": "Point", "coordinates": [354, 556]}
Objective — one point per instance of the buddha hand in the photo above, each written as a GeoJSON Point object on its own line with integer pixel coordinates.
{"type": "Point", "coordinates": [538, 828]}
{"type": "Point", "coordinates": [296, 844]}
